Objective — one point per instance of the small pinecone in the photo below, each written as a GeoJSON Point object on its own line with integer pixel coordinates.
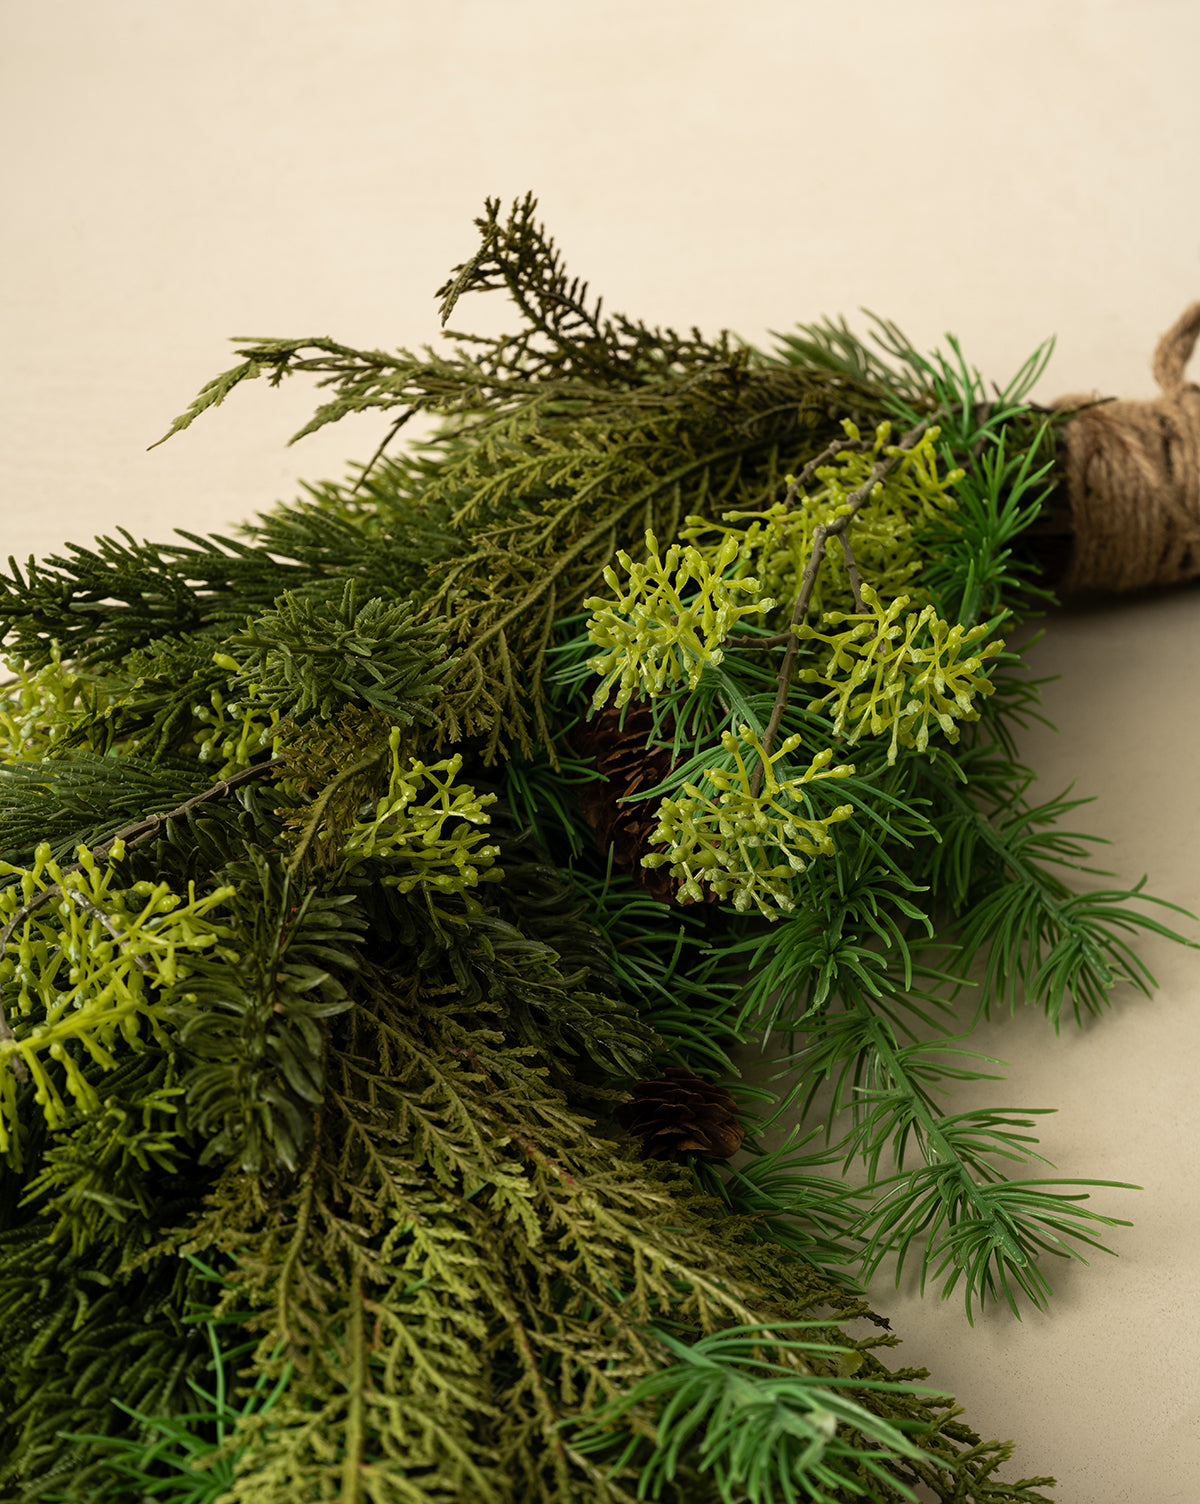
{"type": "Point", "coordinates": [677, 1113]}
{"type": "Point", "coordinates": [620, 752]}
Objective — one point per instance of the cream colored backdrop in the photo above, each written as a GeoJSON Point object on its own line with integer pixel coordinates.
{"type": "Point", "coordinates": [179, 171]}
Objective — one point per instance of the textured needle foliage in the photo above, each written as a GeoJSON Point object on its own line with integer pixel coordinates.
{"type": "Point", "coordinates": [175, 1460]}
{"type": "Point", "coordinates": [310, 655]}
{"type": "Point", "coordinates": [765, 1428]}
{"type": "Point", "coordinates": [341, 911]}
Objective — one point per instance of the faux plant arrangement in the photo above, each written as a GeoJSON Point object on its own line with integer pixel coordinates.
{"type": "Point", "coordinates": [383, 891]}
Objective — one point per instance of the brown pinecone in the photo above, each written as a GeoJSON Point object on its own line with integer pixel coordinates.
{"type": "Point", "coordinates": [677, 1113]}
{"type": "Point", "coordinates": [620, 752]}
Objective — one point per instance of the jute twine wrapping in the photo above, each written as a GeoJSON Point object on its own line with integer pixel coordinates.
{"type": "Point", "coordinates": [1133, 478]}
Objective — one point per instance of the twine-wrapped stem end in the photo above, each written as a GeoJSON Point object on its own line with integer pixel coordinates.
{"type": "Point", "coordinates": [1132, 475]}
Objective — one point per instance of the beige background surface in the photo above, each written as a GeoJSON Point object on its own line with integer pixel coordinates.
{"type": "Point", "coordinates": [179, 171]}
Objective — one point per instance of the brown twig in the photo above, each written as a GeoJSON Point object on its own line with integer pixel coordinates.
{"type": "Point", "coordinates": [19, 1070]}
{"type": "Point", "coordinates": [831, 451]}
{"type": "Point", "coordinates": [796, 485]}
{"type": "Point", "coordinates": [852, 573]}
{"type": "Point", "coordinates": [141, 830]}
{"type": "Point", "coordinates": [384, 442]}
{"type": "Point", "coordinates": [823, 531]}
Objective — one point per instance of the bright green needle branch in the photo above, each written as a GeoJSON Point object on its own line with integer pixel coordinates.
{"type": "Point", "coordinates": [764, 1427]}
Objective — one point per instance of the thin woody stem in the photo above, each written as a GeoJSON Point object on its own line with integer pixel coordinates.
{"type": "Point", "coordinates": [141, 830]}
{"type": "Point", "coordinates": [94, 909]}
{"type": "Point", "coordinates": [852, 573]}
{"type": "Point", "coordinates": [831, 451]}
{"type": "Point", "coordinates": [386, 440]}
{"type": "Point", "coordinates": [824, 530]}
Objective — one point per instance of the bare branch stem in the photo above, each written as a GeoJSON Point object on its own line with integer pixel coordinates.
{"type": "Point", "coordinates": [852, 573]}
{"type": "Point", "coordinates": [831, 451]}
{"type": "Point", "coordinates": [85, 903]}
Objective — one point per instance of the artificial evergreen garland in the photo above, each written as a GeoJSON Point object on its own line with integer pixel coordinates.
{"type": "Point", "coordinates": [383, 891]}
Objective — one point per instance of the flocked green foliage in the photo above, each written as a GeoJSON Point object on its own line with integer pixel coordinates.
{"type": "Point", "coordinates": [345, 992]}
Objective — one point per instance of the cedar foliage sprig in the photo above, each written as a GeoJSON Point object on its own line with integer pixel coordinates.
{"type": "Point", "coordinates": [384, 1105]}
{"type": "Point", "coordinates": [579, 443]}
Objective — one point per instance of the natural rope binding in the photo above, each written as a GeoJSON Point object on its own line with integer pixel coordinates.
{"type": "Point", "coordinates": [1133, 478]}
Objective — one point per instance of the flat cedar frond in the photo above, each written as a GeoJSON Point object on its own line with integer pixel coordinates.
{"type": "Point", "coordinates": [521, 258]}
{"type": "Point", "coordinates": [574, 456]}
{"type": "Point", "coordinates": [462, 1264]}
{"type": "Point", "coordinates": [552, 969]}
{"type": "Point", "coordinates": [101, 1169]}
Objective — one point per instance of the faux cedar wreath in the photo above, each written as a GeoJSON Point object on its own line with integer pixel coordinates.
{"type": "Point", "coordinates": [384, 889]}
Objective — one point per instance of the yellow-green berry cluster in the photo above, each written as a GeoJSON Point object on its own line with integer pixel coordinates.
{"type": "Point", "coordinates": [743, 845]}
{"type": "Point", "coordinates": [652, 636]}
{"type": "Point", "coordinates": [887, 676]}
{"type": "Point", "coordinates": [426, 827]}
